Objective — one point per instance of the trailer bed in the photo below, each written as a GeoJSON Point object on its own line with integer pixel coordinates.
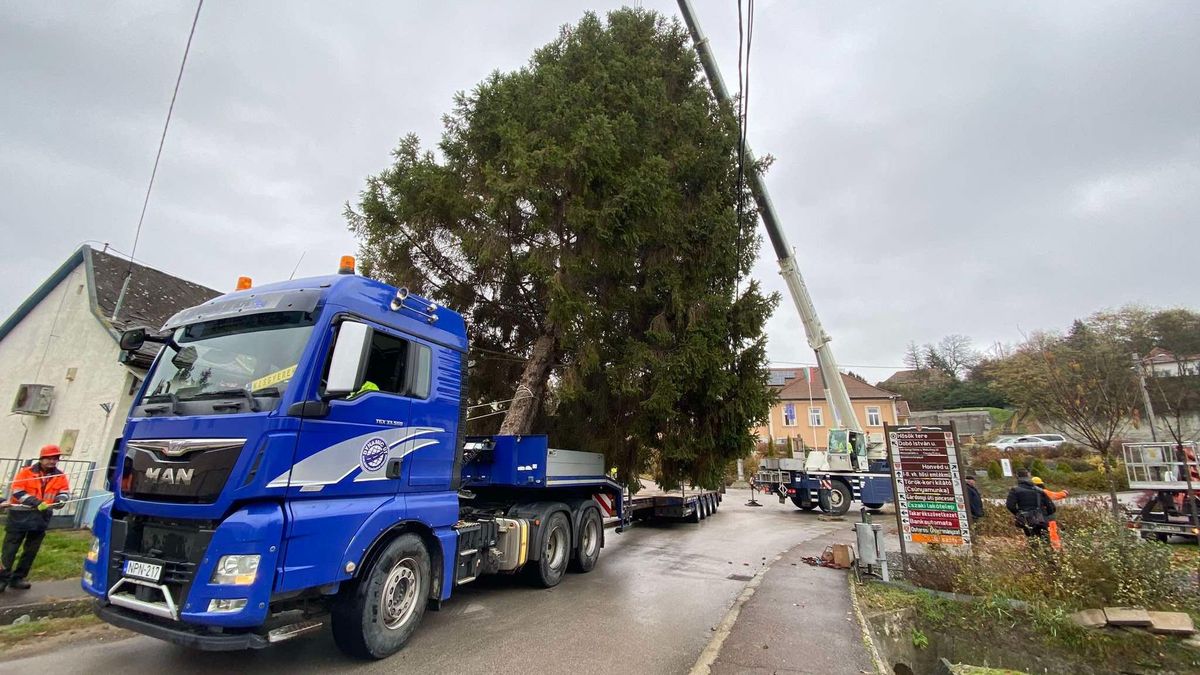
{"type": "Point", "coordinates": [690, 504]}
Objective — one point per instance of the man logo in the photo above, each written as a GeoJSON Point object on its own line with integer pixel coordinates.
{"type": "Point", "coordinates": [169, 476]}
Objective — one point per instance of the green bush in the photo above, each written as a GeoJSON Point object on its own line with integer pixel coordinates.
{"type": "Point", "coordinates": [1101, 563]}
{"type": "Point", "coordinates": [994, 470]}
{"type": "Point", "coordinates": [1063, 466]}
{"type": "Point", "coordinates": [1037, 467]}
{"type": "Point", "coordinates": [1079, 464]}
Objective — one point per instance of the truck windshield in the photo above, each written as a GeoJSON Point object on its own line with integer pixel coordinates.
{"type": "Point", "coordinates": [247, 358]}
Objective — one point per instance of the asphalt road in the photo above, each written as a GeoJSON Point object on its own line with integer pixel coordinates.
{"type": "Point", "coordinates": [649, 607]}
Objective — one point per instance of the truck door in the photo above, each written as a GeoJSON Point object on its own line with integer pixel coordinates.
{"type": "Point", "coordinates": [357, 448]}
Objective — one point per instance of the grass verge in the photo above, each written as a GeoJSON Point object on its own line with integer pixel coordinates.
{"type": "Point", "coordinates": [61, 556]}
{"type": "Point", "coordinates": [1042, 629]}
{"type": "Point", "coordinates": [13, 636]}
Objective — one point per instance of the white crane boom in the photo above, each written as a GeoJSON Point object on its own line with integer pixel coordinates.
{"type": "Point", "coordinates": [818, 339]}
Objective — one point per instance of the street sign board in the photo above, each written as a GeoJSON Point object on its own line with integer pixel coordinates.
{"type": "Point", "coordinates": [931, 503]}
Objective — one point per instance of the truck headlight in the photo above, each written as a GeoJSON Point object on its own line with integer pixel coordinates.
{"type": "Point", "coordinates": [236, 570]}
{"type": "Point", "coordinates": [93, 553]}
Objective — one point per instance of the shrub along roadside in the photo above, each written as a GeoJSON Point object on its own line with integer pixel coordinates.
{"type": "Point", "coordinates": [1101, 563]}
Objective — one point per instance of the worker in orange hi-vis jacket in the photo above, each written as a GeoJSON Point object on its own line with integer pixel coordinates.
{"type": "Point", "coordinates": [1052, 524]}
{"type": "Point", "coordinates": [36, 490]}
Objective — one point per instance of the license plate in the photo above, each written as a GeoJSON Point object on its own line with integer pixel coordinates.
{"type": "Point", "coordinates": [141, 570]}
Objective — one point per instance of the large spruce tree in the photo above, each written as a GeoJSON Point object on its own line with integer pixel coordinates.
{"type": "Point", "coordinates": [583, 215]}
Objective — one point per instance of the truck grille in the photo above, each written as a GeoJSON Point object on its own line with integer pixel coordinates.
{"type": "Point", "coordinates": [190, 471]}
{"type": "Point", "coordinates": [178, 547]}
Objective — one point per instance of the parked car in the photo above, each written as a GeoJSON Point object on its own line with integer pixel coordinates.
{"type": "Point", "coordinates": [1055, 440]}
{"type": "Point", "coordinates": [1011, 443]}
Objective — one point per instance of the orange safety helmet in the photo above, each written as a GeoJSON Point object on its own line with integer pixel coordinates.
{"type": "Point", "coordinates": [49, 451]}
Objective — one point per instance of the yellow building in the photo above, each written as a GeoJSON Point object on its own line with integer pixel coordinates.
{"type": "Point", "coordinates": [803, 416]}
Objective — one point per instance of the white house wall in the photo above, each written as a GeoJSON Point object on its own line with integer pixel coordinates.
{"type": "Point", "coordinates": [61, 333]}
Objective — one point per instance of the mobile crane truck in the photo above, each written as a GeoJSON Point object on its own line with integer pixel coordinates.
{"type": "Point", "coordinates": [297, 454]}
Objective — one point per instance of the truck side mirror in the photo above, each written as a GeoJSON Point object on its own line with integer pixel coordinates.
{"type": "Point", "coordinates": [348, 364]}
{"type": "Point", "coordinates": [133, 339]}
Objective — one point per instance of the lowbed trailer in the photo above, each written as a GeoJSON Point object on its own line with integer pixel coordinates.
{"type": "Point", "coordinates": [692, 505]}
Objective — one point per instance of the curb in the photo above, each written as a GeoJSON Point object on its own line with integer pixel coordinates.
{"type": "Point", "coordinates": [48, 609]}
{"type": "Point", "coordinates": [703, 665]}
{"type": "Point", "coordinates": [865, 627]}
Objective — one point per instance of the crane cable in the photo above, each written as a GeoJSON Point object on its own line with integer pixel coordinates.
{"type": "Point", "coordinates": [745, 39]}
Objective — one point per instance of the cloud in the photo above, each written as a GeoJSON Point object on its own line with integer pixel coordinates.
{"type": "Point", "coordinates": [983, 168]}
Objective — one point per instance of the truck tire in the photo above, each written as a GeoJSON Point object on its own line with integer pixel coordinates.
{"type": "Point", "coordinates": [587, 552]}
{"type": "Point", "coordinates": [554, 540]}
{"type": "Point", "coordinates": [373, 617]}
{"type": "Point", "coordinates": [805, 504]}
{"type": "Point", "coordinates": [702, 506]}
{"type": "Point", "coordinates": [838, 502]}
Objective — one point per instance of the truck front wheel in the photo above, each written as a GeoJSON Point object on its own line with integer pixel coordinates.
{"type": "Point", "coordinates": [374, 616]}
{"type": "Point", "coordinates": [555, 550]}
{"type": "Point", "coordinates": [838, 502]}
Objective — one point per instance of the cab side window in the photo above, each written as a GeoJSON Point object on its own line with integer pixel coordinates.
{"type": "Point", "coordinates": [398, 366]}
{"type": "Point", "coordinates": [387, 364]}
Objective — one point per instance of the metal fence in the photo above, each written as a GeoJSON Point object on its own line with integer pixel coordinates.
{"type": "Point", "coordinates": [79, 475]}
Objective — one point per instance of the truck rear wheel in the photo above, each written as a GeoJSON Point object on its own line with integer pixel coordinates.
{"type": "Point", "coordinates": [555, 547]}
{"type": "Point", "coordinates": [838, 502]}
{"type": "Point", "coordinates": [374, 616]}
{"type": "Point", "coordinates": [587, 553]}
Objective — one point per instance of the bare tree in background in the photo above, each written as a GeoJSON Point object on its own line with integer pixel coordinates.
{"type": "Point", "coordinates": [1081, 381]}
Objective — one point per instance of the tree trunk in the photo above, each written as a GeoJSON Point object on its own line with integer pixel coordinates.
{"type": "Point", "coordinates": [1106, 456]}
{"type": "Point", "coordinates": [532, 389]}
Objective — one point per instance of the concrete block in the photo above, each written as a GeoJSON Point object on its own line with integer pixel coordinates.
{"type": "Point", "coordinates": [1171, 623]}
{"type": "Point", "coordinates": [1127, 616]}
{"type": "Point", "coordinates": [1090, 618]}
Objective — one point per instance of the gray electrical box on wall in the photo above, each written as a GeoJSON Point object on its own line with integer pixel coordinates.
{"type": "Point", "coordinates": [33, 399]}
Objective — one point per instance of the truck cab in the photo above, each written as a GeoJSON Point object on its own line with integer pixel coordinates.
{"type": "Point", "coordinates": [297, 455]}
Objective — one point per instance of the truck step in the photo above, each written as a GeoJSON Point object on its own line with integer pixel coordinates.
{"type": "Point", "coordinates": [293, 630]}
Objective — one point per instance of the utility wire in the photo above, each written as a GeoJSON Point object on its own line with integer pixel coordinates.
{"type": "Point", "coordinates": [163, 139]}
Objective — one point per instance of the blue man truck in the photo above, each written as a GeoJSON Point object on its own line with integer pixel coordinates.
{"type": "Point", "coordinates": [297, 455]}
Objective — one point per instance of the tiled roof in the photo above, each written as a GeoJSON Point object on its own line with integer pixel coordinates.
{"type": "Point", "coordinates": [797, 388]}
{"type": "Point", "coordinates": [152, 297]}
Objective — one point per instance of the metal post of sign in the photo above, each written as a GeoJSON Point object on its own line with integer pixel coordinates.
{"type": "Point", "coordinates": [962, 481]}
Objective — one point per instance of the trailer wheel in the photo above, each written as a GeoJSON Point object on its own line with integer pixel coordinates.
{"type": "Point", "coordinates": [874, 507]}
{"type": "Point", "coordinates": [587, 553]}
{"type": "Point", "coordinates": [555, 549]}
{"type": "Point", "coordinates": [374, 616]}
{"type": "Point", "coordinates": [702, 506]}
{"type": "Point", "coordinates": [838, 502]}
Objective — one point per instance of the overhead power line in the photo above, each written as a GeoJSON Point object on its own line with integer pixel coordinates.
{"type": "Point", "coordinates": [157, 156]}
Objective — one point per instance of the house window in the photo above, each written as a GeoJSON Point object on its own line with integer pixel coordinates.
{"type": "Point", "coordinates": [789, 414]}
{"type": "Point", "coordinates": [814, 418]}
{"type": "Point", "coordinates": [874, 417]}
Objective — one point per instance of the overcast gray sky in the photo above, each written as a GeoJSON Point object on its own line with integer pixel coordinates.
{"type": "Point", "coordinates": [984, 168]}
